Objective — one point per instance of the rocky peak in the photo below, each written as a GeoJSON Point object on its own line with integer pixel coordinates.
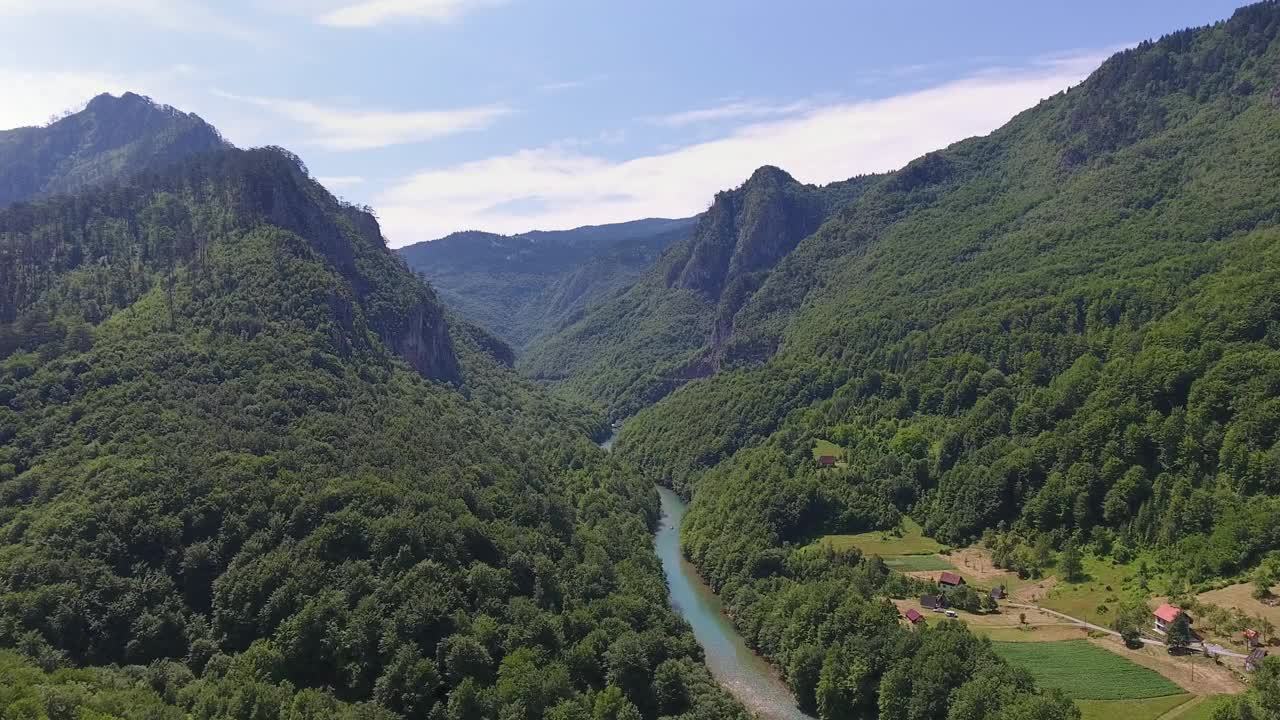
{"type": "Point", "coordinates": [748, 230]}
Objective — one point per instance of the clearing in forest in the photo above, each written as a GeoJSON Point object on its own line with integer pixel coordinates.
{"type": "Point", "coordinates": [917, 563]}
{"type": "Point", "coordinates": [1094, 598]}
{"type": "Point", "coordinates": [826, 447]}
{"type": "Point", "coordinates": [908, 539]}
{"type": "Point", "coordinates": [1085, 671]}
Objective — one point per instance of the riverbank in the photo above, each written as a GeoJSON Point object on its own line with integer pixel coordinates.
{"type": "Point", "coordinates": [734, 665]}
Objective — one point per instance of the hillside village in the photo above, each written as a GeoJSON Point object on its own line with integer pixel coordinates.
{"type": "Point", "coordinates": [1231, 631]}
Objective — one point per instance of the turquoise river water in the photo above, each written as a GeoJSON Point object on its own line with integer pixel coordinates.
{"type": "Point", "coordinates": [734, 665]}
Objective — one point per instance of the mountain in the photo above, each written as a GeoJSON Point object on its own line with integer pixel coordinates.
{"type": "Point", "coordinates": [1062, 337]}
{"type": "Point", "coordinates": [251, 467]}
{"type": "Point", "coordinates": [113, 137]}
{"type": "Point", "coordinates": [675, 322]}
{"type": "Point", "coordinates": [523, 287]}
{"type": "Point", "coordinates": [1067, 329]}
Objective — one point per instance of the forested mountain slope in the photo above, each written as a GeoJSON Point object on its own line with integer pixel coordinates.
{"type": "Point", "coordinates": [113, 137]}
{"type": "Point", "coordinates": [523, 287]}
{"type": "Point", "coordinates": [245, 454]}
{"type": "Point", "coordinates": [1069, 328]}
{"type": "Point", "coordinates": [1067, 331]}
{"type": "Point", "coordinates": [675, 322]}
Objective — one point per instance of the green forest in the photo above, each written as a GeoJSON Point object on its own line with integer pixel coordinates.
{"type": "Point", "coordinates": [1067, 330]}
{"type": "Point", "coordinates": [1067, 327]}
{"type": "Point", "coordinates": [251, 470]}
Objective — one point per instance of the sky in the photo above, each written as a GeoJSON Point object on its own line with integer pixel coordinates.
{"type": "Point", "coordinates": [513, 115]}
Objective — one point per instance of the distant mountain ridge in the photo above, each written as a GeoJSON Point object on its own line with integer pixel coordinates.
{"type": "Point", "coordinates": [112, 137]}
{"type": "Point", "coordinates": [676, 321]}
{"type": "Point", "coordinates": [525, 286]}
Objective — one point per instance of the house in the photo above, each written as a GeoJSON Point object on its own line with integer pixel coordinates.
{"type": "Point", "coordinates": [1254, 661]}
{"type": "Point", "coordinates": [913, 616]}
{"type": "Point", "coordinates": [933, 601]}
{"type": "Point", "coordinates": [950, 579]}
{"type": "Point", "coordinates": [997, 592]}
{"type": "Point", "coordinates": [827, 461]}
{"type": "Point", "coordinates": [1166, 614]}
{"type": "Point", "coordinates": [1252, 638]}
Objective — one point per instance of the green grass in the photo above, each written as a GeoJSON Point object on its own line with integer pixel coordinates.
{"type": "Point", "coordinates": [915, 563]}
{"type": "Point", "coordinates": [1086, 599]}
{"type": "Point", "coordinates": [1204, 711]}
{"type": "Point", "coordinates": [826, 447]}
{"type": "Point", "coordinates": [1143, 709]}
{"type": "Point", "coordinates": [886, 544]}
{"type": "Point", "coordinates": [1086, 672]}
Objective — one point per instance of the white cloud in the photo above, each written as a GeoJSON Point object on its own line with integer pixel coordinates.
{"type": "Point", "coordinates": [730, 111]}
{"type": "Point", "coordinates": [561, 187]}
{"type": "Point", "coordinates": [565, 85]}
{"type": "Point", "coordinates": [371, 13]}
{"type": "Point", "coordinates": [183, 15]}
{"type": "Point", "coordinates": [338, 128]}
{"type": "Point", "coordinates": [570, 84]}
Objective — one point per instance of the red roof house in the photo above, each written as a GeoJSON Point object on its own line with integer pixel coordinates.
{"type": "Point", "coordinates": [827, 461]}
{"type": "Point", "coordinates": [1166, 614]}
{"type": "Point", "coordinates": [950, 579]}
{"type": "Point", "coordinates": [913, 616]}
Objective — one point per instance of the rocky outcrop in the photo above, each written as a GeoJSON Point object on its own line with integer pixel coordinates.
{"type": "Point", "coordinates": [743, 236]}
{"type": "Point", "coordinates": [425, 344]}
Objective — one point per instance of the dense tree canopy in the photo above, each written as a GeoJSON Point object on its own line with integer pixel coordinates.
{"type": "Point", "coordinates": [1068, 327]}
{"type": "Point", "coordinates": [1065, 333]}
{"type": "Point", "coordinates": [247, 457]}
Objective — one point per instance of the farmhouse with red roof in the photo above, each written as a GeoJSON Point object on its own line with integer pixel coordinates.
{"type": "Point", "coordinates": [950, 579]}
{"type": "Point", "coordinates": [1166, 614]}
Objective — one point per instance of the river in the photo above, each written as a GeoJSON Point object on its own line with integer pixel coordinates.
{"type": "Point", "coordinates": [734, 665]}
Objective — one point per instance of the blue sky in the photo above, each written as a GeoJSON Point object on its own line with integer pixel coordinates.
{"type": "Point", "coordinates": [509, 115]}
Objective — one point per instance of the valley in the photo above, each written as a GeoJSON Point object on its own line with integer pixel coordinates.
{"type": "Point", "coordinates": [995, 434]}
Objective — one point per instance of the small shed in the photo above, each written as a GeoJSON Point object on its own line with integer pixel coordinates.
{"type": "Point", "coordinates": [933, 601]}
{"type": "Point", "coordinates": [827, 461]}
{"type": "Point", "coordinates": [1166, 614]}
{"type": "Point", "coordinates": [950, 579]}
{"type": "Point", "coordinates": [913, 616]}
{"type": "Point", "coordinates": [997, 592]}
{"type": "Point", "coordinates": [1254, 661]}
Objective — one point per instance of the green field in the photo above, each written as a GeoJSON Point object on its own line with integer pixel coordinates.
{"type": "Point", "coordinates": [1086, 672]}
{"type": "Point", "coordinates": [915, 563]}
{"type": "Point", "coordinates": [886, 544]}
{"type": "Point", "coordinates": [1143, 709]}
